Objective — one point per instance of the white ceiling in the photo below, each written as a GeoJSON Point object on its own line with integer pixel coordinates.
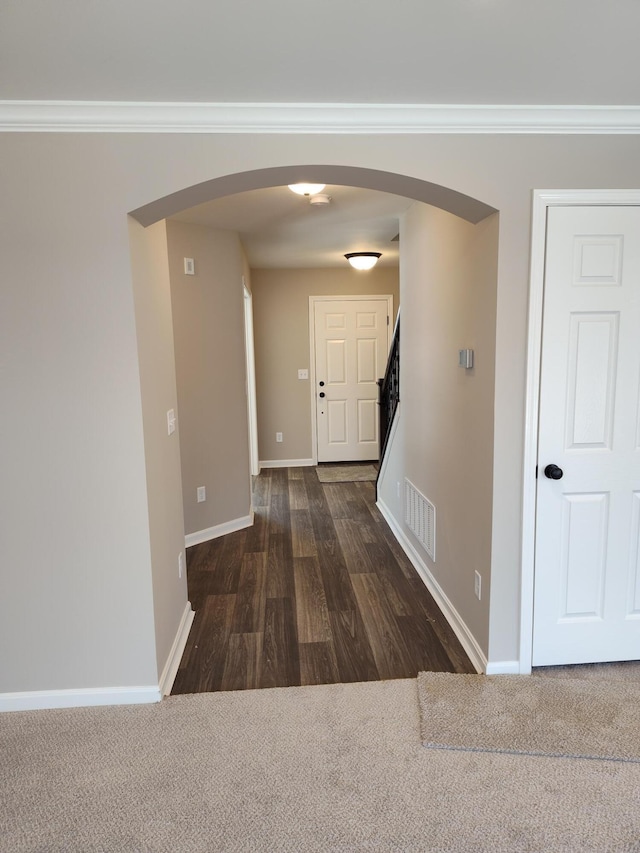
{"type": "Point", "coordinates": [334, 51]}
{"type": "Point", "coordinates": [279, 229]}
{"type": "Point", "coordinates": [545, 52]}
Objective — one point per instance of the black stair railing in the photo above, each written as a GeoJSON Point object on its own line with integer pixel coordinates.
{"type": "Point", "coordinates": [389, 392]}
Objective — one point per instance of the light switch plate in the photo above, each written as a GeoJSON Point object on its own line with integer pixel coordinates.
{"type": "Point", "coordinates": [303, 374]}
{"type": "Point", "coordinates": [189, 266]}
{"type": "Point", "coordinates": [465, 358]}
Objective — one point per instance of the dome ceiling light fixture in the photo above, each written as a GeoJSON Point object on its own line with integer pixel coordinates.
{"type": "Point", "coordinates": [363, 260]}
{"type": "Point", "coordinates": [319, 200]}
{"type": "Point", "coordinates": [306, 189]}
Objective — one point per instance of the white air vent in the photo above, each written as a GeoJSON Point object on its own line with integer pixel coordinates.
{"type": "Point", "coordinates": [420, 518]}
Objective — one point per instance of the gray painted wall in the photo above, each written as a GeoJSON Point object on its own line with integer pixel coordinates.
{"type": "Point", "coordinates": [281, 325]}
{"type": "Point", "coordinates": [152, 297]}
{"type": "Point", "coordinates": [75, 547]}
{"type": "Point", "coordinates": [208, 326]}
{"type": "Point", "coordinates": [444, 441]}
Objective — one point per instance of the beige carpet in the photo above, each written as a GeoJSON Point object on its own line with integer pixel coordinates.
{"type": "Point", "coordinates": [335, 768]}
{"type": "Point", "coordinates": [575, 717]}
{"type": "Point", "coordinates": [346, 473]}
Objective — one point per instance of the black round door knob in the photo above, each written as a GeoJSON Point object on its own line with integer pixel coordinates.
{"type": "Point", "coordinates": [553, 472]}
{"type": "Point", "coordinates": [321, 384]}
{"type": "Point", "coordinates": [322, 393]}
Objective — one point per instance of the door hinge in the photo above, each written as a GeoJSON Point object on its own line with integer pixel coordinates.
{"type": "Point", "coordinates": [387, 319]}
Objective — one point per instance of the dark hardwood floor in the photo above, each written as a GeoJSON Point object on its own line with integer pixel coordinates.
{"type": "Point", "coordinates": [318, 591]}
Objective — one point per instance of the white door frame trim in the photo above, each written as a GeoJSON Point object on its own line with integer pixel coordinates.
{"type": "Point", "coordinates": [312, 351]}
{"type": "Point", "coordinates": [542, 201]}
{"type": "Point", "coordinates": [250, 360]}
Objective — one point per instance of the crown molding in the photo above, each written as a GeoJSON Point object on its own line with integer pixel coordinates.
{"type": "Point", "coordinates": [156, 117]}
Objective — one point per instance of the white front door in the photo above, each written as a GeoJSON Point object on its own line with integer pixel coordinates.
{"type": "Point", "coordinates": [587, 564]}
{"type": "Point", "coordinates": [351, 346]}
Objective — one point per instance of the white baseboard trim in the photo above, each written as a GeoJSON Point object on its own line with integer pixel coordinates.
{"type": "Point", "coordinates": [460, 629]}
{"type": "Point", "coordinates": [175, 655]}
{"type": "Point", "coordinates": [218, 530]}
{"type": "Point", "coordinates": [286, 463]}
{"type": "Point", "coordinates": [37, 700]}
{"type": "Point", "coordinates": [504, 667]}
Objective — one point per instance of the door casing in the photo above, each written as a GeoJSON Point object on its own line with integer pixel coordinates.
{"type": "Point", "coordinates": [542, 200]}
{"type": "Point", "coordinates": [313, 300]}
{"type": "Point", "coordinates": [249, 345]}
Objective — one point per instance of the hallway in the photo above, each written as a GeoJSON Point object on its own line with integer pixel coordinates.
{"type": "Point", "coordinates": [318, 591]}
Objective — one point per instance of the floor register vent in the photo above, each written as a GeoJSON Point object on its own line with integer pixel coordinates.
{"type": "Point", "coordinates": [420, 518]}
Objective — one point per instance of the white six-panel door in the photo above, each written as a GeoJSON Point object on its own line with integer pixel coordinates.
{"type": "Point", "coordinates": [351, 346]}
{"type": "Point", "coordinates": [587, 562]}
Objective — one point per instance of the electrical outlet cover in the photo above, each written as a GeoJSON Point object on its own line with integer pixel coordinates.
{"type": "Point", "coordinates": [477, 585]}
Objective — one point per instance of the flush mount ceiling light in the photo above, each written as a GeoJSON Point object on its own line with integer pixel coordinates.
{"type": "Point", "coordinates": [363, 260]}
{"type": "Point", "coordinates": [307, 189]}
{"type": "Point", "coordinates": [319, 200]}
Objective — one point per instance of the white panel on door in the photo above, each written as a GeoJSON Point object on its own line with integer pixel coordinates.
{"type": "Point", "coordinates": [587, 577]}
{"type": "Point", "coordinates": [366, 320]}
{"type": "Point", "coordinates": [350, 341]}
{"type": "Point", "coordinates": [584, 533]}
{"type": "Point", "coordinates": [368, 420]}
{"type": "Point", "coordinates": [597, 260]}
{"type": "Point", "coordinates": [593, 350]}
{"type": "Point", "coordinates": [367, 367]}
{"type": "Point", "coordinates": [337, 421]}
{"type": "Point", "coordinates": [336, 362]}
{"type": "Point", "coordinates": [634, 559]}
{"type": "Point", "coordinates": [335, 321]}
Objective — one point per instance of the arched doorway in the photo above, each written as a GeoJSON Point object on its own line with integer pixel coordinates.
{"type": "Point", "coordinates": [458, 212]}
{"type": "Point", "coordinates": [464, 206]}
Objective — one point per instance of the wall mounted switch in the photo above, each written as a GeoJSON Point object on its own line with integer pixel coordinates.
{"type": "Point", "coordinates": [201, 493]}
{"type": "Point", "coordinates": [465, 358]}
{"type": "Point", "coordinates": [278, 437]}
{"type": "Point", "coordinates": [180, 564]}
{"type": "Point", "coordinates": [189, 266]}
{"type": "Point", "coordinates": [303, 374]}
{"type": "Point", "coordinates": [171, 421]}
